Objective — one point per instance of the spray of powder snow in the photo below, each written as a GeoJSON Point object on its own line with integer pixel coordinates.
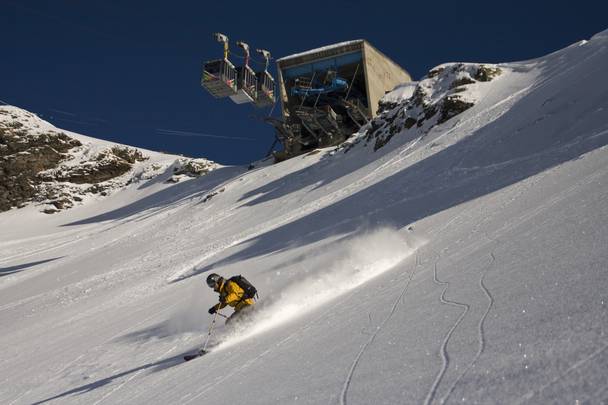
{"type": "Point", "coordinates": [338, 269]}
{"type": "Point", "coordinates": [188, 315]}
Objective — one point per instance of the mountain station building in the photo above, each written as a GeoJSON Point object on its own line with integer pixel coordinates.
{"type": "Point", "coordinates": [328, 93]}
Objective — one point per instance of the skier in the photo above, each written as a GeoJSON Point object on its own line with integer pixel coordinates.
{"type": "Point", "coordinates": [236, 292]}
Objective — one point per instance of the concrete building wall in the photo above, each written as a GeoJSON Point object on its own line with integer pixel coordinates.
{"type": "Point", "coordinates": [282, 91]}
{"type": "Point", "coordinates": [381, 75]}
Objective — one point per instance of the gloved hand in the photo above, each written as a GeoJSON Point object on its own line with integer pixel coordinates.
{"type": "Point", "coordinates": [212, 310]}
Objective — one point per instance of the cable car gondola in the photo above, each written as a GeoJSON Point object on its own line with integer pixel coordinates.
{"type": "Point", "coordinates": [220, 76]}
{"type": "Point", "coordinates": [266, 95]}
{"type": "Point", "coordinates": [247, 83]}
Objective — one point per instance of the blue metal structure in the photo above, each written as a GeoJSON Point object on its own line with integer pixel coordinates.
{"type": "Point", "coordinates": [336, 84]}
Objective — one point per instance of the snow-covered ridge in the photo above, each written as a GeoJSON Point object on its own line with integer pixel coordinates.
{"type": "Point", "coordinates": [58, 169]}
{"type": "Point", "coordinates": [413, 109]}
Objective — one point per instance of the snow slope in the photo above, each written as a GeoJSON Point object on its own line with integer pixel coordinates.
{"type": "Point", "coordinates": [466, 264]}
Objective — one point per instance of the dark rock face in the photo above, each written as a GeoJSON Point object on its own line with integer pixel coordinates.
{"type": "Point", "coordinates": [435, 72]}
{"type": "Point", "coordinates": [33, 164]}
{"type": "Point", "coordinates": [22, 157]}
{"type": "Point", "coordinates": [129, 155]}
{"type": "Point", "coordinates": [463, 81]}
{"type": "Point", "coordinates": [107, 165]}
{"type": "Point", "coordinates": [486, 73]}
{"type": "Point", "coordinates": [91, 174]}
{"type": "Point", "coordinates": [451, 107]}
{"type": "Point", "coordinates": [192, 168]}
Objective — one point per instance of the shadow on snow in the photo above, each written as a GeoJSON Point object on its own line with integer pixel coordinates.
{"type": "Point", "coordinates": [152, 367]}
{"type": "Point", "coordinates": [5, 271]}
{"type": "Point", "coordinates": [521, 143]}
{"type": "Point", "coordinates": [161, 199]}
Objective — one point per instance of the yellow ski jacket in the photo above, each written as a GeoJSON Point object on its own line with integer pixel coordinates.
{"type": "Point", "coordinates": [232, 294]}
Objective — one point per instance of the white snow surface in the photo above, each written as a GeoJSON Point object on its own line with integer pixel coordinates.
{"type": "Point", "coordinates": [400, 92]}
{"type": "Point", "coordinates": [320, 49]}
{"type": "Point", "coordinates": [468, 265]}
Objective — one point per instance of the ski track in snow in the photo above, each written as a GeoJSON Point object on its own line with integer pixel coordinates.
{"type": "Point", "coordinates": [355, 362]}
{"type": "Point", "coordinates": [514, 223]}
{"type": "Point", "coordinates": [480, 329]}
{"type": "Point", "coordinates": [445, 358]}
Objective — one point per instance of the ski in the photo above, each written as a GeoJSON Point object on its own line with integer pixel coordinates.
{"type": "Point", "coordinates": [200, 353]}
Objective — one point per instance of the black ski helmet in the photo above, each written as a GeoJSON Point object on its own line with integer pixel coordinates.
{"type": "Point", "coordinates": [213, 279]}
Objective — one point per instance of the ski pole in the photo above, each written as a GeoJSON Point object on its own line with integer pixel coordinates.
{"type": "Point", "coordinates": [209, 333]}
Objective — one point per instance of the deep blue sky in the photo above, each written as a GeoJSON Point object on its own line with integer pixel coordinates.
{"type": "Point", "coordinates": [122, 70]}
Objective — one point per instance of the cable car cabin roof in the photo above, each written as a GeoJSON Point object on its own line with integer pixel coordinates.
{"type": "Point", "coordinates": [218, 61]}
{"type": "Point", "coordinates": [322, 52]}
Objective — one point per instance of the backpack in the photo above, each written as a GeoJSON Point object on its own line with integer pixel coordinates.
{"type": "Point", "coordinates": [249, 291]}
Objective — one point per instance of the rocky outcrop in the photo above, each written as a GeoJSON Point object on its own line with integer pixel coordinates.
{"type": "Point", "coordinates": [451, 106]}
{"type": "Point", "coordinates": [43, 165]}
{"type": "Point", "coordinates": [185, 168]}
{"type": "Point", "coordinates": [23, 155]}
{"type": "Point", "coordinates": [192, 167]}
{"type": "Point", "coordinates": [486, 73]}
{"type": "Point", "coordinates": [104, 166]}
{"type": "Point", "coordinates": [442, 95]}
